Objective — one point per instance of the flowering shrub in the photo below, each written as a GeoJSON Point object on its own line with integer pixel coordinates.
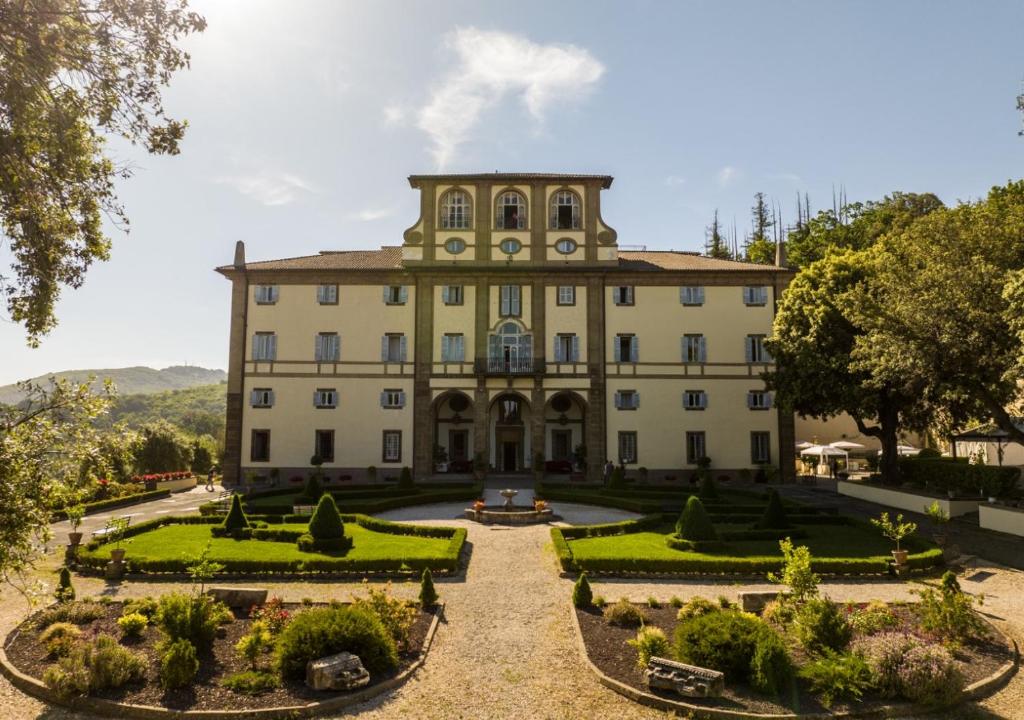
{"type": "Point", "coordinates": [884, 654]}
{"type": "Point", "coordinates": [874, 618]}
{"type": "Point", "coordinates": [928, 675]}
{"type": "Point", "coordinates": [272, 614]}
{"type": "Point", "coordinates": [157, 477]}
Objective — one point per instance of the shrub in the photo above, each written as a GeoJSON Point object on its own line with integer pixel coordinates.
{"type": "Point", "coordinates": [253, 644]}
{"type": "Point", "coordinates": [599, 601]}
{"type": "Point", "coordinates": [132, 624]}
{"type": "Point", "coordinates": [272, 614]}
{"type": "Point", "coordinates": [884, 654]}
{"type": "Point", "coordinates": [146, 606]}
{"type": "Point", "coordinates": [896, 529]}
{"type": "Point", "coordinates": [833, 676]}
{"type": "Point", "coordinates": [65, 590]}
{"type": "Point", "coordinates": [675, 601]}
{"type": "Point", "coordinates": [79, 613]}
{"type": "Point", "coordinates": [428, 595]}
{"type": "Point", "coordinates": [59, 638]}
{"type": "Point", "coordinates": [796, 571]}
{"type": "Point", "coordinates": [779, 612]}
{"type": "Point", "coordinates": [949, 613]}
{"type": "Point", "coordinates": [649, 642]}
{"type": "Point", "coordinates": [774, 517]}
{"type": "Point", "coordinates": [696, 607]}
{"type": "Point", "coordinates": [396, 615]}
{"type": "Point", "coordinates": [694, 523]}
{"type": "Point", "coordinates": [652, 602]}
{"type": "Point", "coordinates": [178, 663]}
{"type": "Point", "coordinates": [91, 667]}
{"type": "Point", "coordinates": [770, 668]}
{"type": "Point", "coordinates": [192, 618]}
{"type": "Point", "coordinates": [251, 682]}
{"type": "Point", "coordinates": [305, 542]}
{"type": "Point", "coordinates": [320, 632]}
{"type": "Point", "coordinates": [312, 492]}
{"type": "Point", "coordinates": [708, 489]}
{"type": "Point", "coordinates": [235, 520]}
{"type": "Point", "coordinates": [929, 675]}
{"type": "Point", "coordinates": [617, 479]}
{"type": "Point", "coordinates": [625, 614]}
{"type": "Point", "coordinates": [326, 521]}
{"type": "Point", "coordinates": [405, 479]}
{"type": "Point", "coordinates": [876, 617]}
{"type": "Point", "coordinates": [582, 595]}
{"type": "Point", "coordinates": [820, 625]}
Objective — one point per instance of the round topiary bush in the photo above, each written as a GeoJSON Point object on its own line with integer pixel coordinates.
{"type": "Point", "coordinates": [312, 491]}
{"type": "Point", "coordinates": [774, 517]}
{"type": "Point", "coordinates": [235, 519]}
{"type": "Point", "coordinates": [320, 632]}
{"type": "Point", "coordinates": [695, 524]}
{"type": "Point", "coordinates": [326, 527]}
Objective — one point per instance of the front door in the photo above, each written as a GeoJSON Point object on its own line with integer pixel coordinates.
{"type": "Point", "coordinates": [509, 454]}
{"type": "Point", "coordinates": [561, 444]}
{"type": "Point", "coordinates": [458, 445]}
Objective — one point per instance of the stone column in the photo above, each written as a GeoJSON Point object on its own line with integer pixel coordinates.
{"type": "Point", "coordinates": [232, 470]}
{"type": "Point", "coordinates": [422, 424]}
{"type": "Point", "coordinates": [538, 223]}
{"type": "Point", "coordinates": [595, 437]}
{"type": "Point", "coordinates": [787, 445]}
{"type": "Point", "coordinates": [537, 430]}
{"type": "Point", "coordinates": [482, 222]}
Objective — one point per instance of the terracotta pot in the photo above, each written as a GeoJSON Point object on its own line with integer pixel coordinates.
{"type": "Point", "coordinates": [900, 556]}
{"type": "Point", "coordinates": [117, 554]}
{"type": "Point", "coordinates": [74, 538]}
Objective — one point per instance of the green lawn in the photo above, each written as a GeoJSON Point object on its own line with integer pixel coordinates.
{"type": "Point", "coordinates": [174, 541]}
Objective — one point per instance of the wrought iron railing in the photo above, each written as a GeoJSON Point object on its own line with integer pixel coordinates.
{"type": "Point", "coordinates": [509, 366]}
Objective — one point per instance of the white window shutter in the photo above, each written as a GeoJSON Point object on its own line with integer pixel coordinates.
{"type": "Point", "coordinates": [617, 349]}
{"type": "Point", "coordinates": [384, 349]}
{"type": "Point", "coordinates": [387, 294]}
{"type": "Point", "coordinates": [320, 351]}
{"type": "Point", "coordinates": [558, 349]}
{"type": "Point", "coordinates": [505, 301]}
{"type": "Point", "coordinates": [446, 296]}
{"type": "Point", "coordinates": [750, 400]}
{"type": "Point", "coordinates": [446, 348]}
{"type": "Point", "coordinates": [703, 399]}
{"type": "Point", "coordinates": [575, 348]}
{"type": "Point", "coordinates": [618, 399]}
{"type": "Point", "coordinates": [682, 348]}
{"type": "Point", "coordinates": [516, 300]}
{"type": "Point", "coordinates": [316, 397]}
{"type": "Point", "coordinates": [460, 353]}
{"type": "Point", "coordinates": [684, 293]}
{"type": "Point", "coordinates": [270, 397]}
{"type": "Point", "coordinates": [749, 348]}
{"type": "Point", "coordinates": [384, 398]}
{"type": "Point", "coordinates": [629, 295]}
{"type": "Point", "coordinates": [273, 347]}
{"type": "Point", "coordinates": [401, 348]}
{"type": "Point", "coordinates": [769, 399]}
{"type": "Point", "coordinates": [636, 399]}
{"type": "Point", "coordinates": [702, 349]}
{"type": "Point", "coordinates": [337, 347]}
{"type": "Point", "coordinates": [254, 398]}
{"type": "Point", "coordinates": [403, 294]}
{"type": "Point", "coordinates": [401, 399]}
{"type": "Point", "coordinates": [634, 349]}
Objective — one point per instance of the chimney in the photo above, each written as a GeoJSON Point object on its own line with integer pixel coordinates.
{"type": "Point", "coordinates": [780, 253]}
{"type": "Point", "coordinates": [240, 255]}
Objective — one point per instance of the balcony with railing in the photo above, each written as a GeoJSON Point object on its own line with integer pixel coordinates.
{"type": "Point", "coordinates": [509, 366]}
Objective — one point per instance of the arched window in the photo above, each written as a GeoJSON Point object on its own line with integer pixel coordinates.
{"type": "Point", "coordinates": [510, 213]}
{"type": "Point", "coordinates": [565, 211]}
{"type": "Point", "coordinates": [456, 211]}
{"type": "Point", "coordinates": [510, 349]}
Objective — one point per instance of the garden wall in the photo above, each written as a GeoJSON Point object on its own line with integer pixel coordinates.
{"type": "Point", "coordinates": [1004, 519]}
{"type": "Point", "coordinates": [903, 500]}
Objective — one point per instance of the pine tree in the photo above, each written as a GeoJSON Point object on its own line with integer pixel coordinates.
{"type": "Point", "coordinates": [428, 595]}
{"type": "Point", "coordinates": [760, 247]}
{"type": "Point", "coordinates": [708, 489]}
{"type": "Point", "coordinates": [236, 519]}
{"type": "Point", "coordinates": [695, 523]}
{"type": "Point", "coordinates": [65, 590]}
{"type": "Point", "coordinates": [326, 521]}
{"type": "Point", "coordinates": [774, 517]}
{"type": "Point", "coordinates": [582, 595]}
{"type": "Point", "coordinates": [715, 243]}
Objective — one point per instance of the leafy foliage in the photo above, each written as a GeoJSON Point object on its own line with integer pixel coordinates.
{"type": "Point", "coordinates": [835, 676]}
{"type": "Point", "coordinates": [312, 491]}
{"type": "Point", "coordinates": [929, 675]}
{"type": "Point", "coordinates": [821, 626]}
{"type": "Point", "coordinates": [251, 682]}
{"type": "Point", "coordinates": [405, 478]}
{"type": "Point", "coordinates": [796, 571]}
{"type": "Point", "coordinates": [132, 624]}
{"type": "Point", "coordinates": [65, 590]}
{"type": "Point", "coordinates": [949, 612]}
{"type": "Point", "coordinates": [396, 615]}
{"type": "Point", "coordinates": [625, 614]}
{"type": "Point", "coordinates": [708, 489]}
{"type": "Point", "coordinates": [191, 617]}
{"type": "Point", "coordinates": [253, 644]}
{"type": "Point", "coordinates": [582, 595]}
{"type": "Point", "coordinates": [650, 642]}
{"type": "Point", "coordinates": [696, 607]}
{"type": "Point", "coordinates": [326, 521]}
{"type": "Point", "coordinates": [93, 666]}
{"type": "Point", "coordinates": [178, 663]}
{"type": "Point", "coordinates": [59, 638]}
{"type": "Point", "coordinates": [896, 529]}
{"type": "Point", "coordinates": [320, 632]}
{"type": "Point", "coordinates": [876, 617]}
{"type": "Point", "coordinates": [428, 595]}
{"type": "Point", "coordinates": [162, 448]}
{"type": "Point", "coordinates": [884, 654]}
{"type": "Point", "coordinates": [235, 519]}
{"type": "Point", "coordinates": [79, 612]}
{"type": "Point", "coordinates": [694, 523]}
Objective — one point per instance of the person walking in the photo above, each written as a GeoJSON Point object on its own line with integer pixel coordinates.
{"type": "Point", "coordinates": [209, 479]}
{"type": "Point", "coordinates": [608, 469]}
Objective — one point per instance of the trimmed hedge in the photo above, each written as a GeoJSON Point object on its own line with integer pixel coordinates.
{"type": "Point", "coordinates": [367, 500]}
{"type": "Point", "coordinates": [960, 476]}
{"type": "Point", "coordinates": [124, 501]}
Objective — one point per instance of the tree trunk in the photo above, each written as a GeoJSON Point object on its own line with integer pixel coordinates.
{"type": "Point", "coordinates": [889, 465]}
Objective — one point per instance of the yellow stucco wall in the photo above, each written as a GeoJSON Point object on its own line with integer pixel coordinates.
{"type": "Point", "coordinates": [455, 319]}
{"type": "Point", "coordinates": [565, 319]}
{"type": "Point", "coordinates": [526, 305]}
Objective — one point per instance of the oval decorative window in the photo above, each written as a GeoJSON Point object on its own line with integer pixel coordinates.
{"type": "Point", "coordinates": [458, 403]}
{"type": "Point", "coordinates": [560, 403]}
{"type": "Point", "coordinates": [566, 246]}
{"type": "Point", "coordinates": [510, 246]}
{"type": "Point", "coordinates": [455, 246]}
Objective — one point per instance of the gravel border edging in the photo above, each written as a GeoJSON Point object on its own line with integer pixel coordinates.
{"type": "Point", "coordinates": [108, 708]}
{"type": "Point", "coordinates": [974, 691]}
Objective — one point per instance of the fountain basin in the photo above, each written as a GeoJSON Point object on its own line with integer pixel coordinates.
{"type": "Point", "coordinates": [509, 515]}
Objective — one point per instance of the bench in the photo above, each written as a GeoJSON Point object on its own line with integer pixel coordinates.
{"type": "Point", "coordinates": [112, 526]}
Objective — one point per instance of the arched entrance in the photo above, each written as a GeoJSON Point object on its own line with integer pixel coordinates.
{"type": "Point", "coordinates": [565, 432]}
{"type": "Point", "coordinates": [510, 422]}
{"type": "Point", "coordinates": [453, 432]}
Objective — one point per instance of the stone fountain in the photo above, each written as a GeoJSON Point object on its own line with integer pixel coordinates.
{"type": "Point", "coordinates": [509, 513]}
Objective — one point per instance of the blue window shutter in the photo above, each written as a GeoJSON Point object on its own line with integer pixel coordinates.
{"type": "Point", "coordinates": [683, 293]}
{"type": "Point", "coordinates": [316, 398]}
{"type": "Point", "coordinates": [445, 348]}
{"type": "Point", "coordinates": [403, 294]}
{"type": "Point", "coordinates": [337, 347]}
{"type": "Point", "coordinates": [575, 348]}
{"type": "Point", "coordinates": [273, 347]}
{"type": "Point", "coordinates": [254, 398]}
{"type": "Point", "coordinates": [703, 399]}
{"type": "Point", "coordinates": [387, 294]}
{"type": "Point", "coordinates": [383, 398]}
{"type": "Point", "coordinates": [506, 301]}
{"type": "Point", "coordinates": [636, 399]}
{"type": "Point", "coordinates": [750, 348]}
{"type": "Point", "coordinates": [702, 349]}
{"type": "Point", "coordinates": [401, 348]}
{"type": "Point", "coordinates": [270, 397]}
{"type": "Point", "coordinates": [318, 352]}
{"type": "Point", "coordinates": [384, 349]}
{"type": "Point", "coordinates": [682, 348]}
{"type": "Point", "coordinates": [618, 399]}
{"type": "Point", "coordinates": [526, 347]}
{"type": "Point", "coordinates": [750, 400]}
{"type": "Point", "coordinates": [634, 349]}
{"type": "Point", "coordinates": [558, 350]}
{"type": "Point", "coordinates": [493, 346]}
{"type": "Point", "coordinates": [617, 349]}
{"type": "Point", "coordinates": [516, 308]}
{"type": "Point", "coordinates": [629, 295]}
{"type": "Point", "coordinates": [401, 399]}
{"type": "Point", "coordinates": [445, 295]}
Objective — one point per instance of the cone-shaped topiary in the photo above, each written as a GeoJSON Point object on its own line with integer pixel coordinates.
{"type": "Point", "coordinates": [774, 517]}
{"type": "Point", "coordinates": [695, 524]}
{"type": "Point", "coordinates": [236, 519]}
{"type": "Point", "coordinates": [326, 521]}
{"type": "Point", "coordinates": [617, 479]}
{"type": "Point", "coordinates": [405, 478]}
{"type": "Point", "coordinates": [428, 595]}
{"type": "Point", "coordinates": [708, 489]}
{"type": "Point", "coordinates": [312, 491]}
{"type": "Point", "coordinates": [582, 595]}
{"type": "Point", "coordinates": [65, 590]}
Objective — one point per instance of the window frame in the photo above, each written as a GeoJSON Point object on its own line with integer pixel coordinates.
{"type": "Point", "coordinates": [687, 295]}
{"type": "Point", "coordinates": [268, 393]}
{"type": "Point", "coordinates": [697, 339]}
{"type": "Point", "coordinates": [692, 436]}
{"type": "Point", "coordinates": [317, 447]}
{"type": "Point", "coordinates": [762, 295]}
{"type": "Point", "coordinates": [577, 210]}
{"type": "Point", "coordinates": [446, 294]}
{"type": "Point", "coordinates": [444, 218]}
{"type": "Point", "coordinates": [269, 287]}
{"type": "Point", "coordinates": [572, 293]}
{"type": "Point", "coordinates": [518, 244]}
{"type": "Point", "coordinates": [318, 352]}
{"type": "Point", "coordinates": [320, 294]}
{"type": "Point", "coordinates": [398, 297]}
{"type": "Point", "coordinates": [630, 295]}
{"type": "Point", "coordinates": [252, 444]}
{"type": "Point", "coordinates": [462, 343]}
{"type": "Point", "coordinates": [573, 246]}
{"type": "Point", "coordinates": [318, 394]}
{"type": "Point", "coordinates": [272, 346]}
{"type": "Point", "coordinates": [523, 222]}
{"type": "Point", "coordinates": [626, 435]}
{"type": "Point", "coordinates": [755, 341]}
{"type": "Point", "coordinates": [766, 404]}
{"type": "Point", "coordinates": [398, 404]}
{"type": "Point", "coordinates": [633, 343]}
{"type": "Point", "coordinates": [702, 399]}
{"type": "Point", "coordinates": [392, 336]}
{"type": "Point", "coordinates": [384, 446]}
{"type": "Point", "coordinates": [756, 436]}
{"type": "Point", "coordinates": [570, 342]}
{"type": "Point", "coordinates": [461, 243]}
{"type": "Point", "coordinates": [621, 395]}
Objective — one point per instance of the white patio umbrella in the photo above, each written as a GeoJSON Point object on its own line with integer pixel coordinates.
{"type": "Point", "coordinates": [905, 450]}
{"type": "Point", "coordinates": [824, 451]}
{"type": "Point", "coordinates": [803, 444]}
{"type": "Point", "coordinates": [846, 445]}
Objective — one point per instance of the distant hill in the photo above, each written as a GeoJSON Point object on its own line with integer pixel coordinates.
{"type": "Point", "coordinates": [130, 381]}
{"type": "Point", "coordinates": [199, 410]}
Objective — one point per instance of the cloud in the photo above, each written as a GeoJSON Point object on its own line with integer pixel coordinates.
{"type": "Point", "coordinates": [394, 114]}
{"type": "Point", "coordinates": [371, 214]}
{"type": "Point", "coordinates": [727, 175]}
{"type": "Point", "coordinates": [675, 180]}
{"type": "Point", "coordinates": [492, 65]}
{"type": "Point", "coordinates": [268, 187]}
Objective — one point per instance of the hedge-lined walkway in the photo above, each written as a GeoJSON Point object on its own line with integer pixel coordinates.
{"type": "Point", "coordinates": [507, 649]}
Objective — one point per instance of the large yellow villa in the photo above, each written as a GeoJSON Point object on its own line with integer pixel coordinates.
{"type": "Point", "coordinates": [508, 328]}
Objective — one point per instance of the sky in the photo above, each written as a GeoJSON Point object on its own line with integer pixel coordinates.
{"type": "Point", "coordinates": [306, 117]}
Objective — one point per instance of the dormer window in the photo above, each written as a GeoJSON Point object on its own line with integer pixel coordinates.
{"type": "Point", "coordinates": [511, 211]}
{"type": "Point", "coordinates": [565, 211]}
{"type": "Point", "coordinates": [456, 211]}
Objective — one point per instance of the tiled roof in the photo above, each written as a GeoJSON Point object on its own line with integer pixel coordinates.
{"type": "Point", "coordinates": [606, 180]}
{"type": "Point", "coordinates": [676, 260]}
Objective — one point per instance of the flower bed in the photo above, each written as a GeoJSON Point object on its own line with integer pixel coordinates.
{"type": "Point", "coordinates": [118, 502]}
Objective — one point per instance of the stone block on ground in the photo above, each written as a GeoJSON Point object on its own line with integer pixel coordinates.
{"type": "Point", "coordinates": [343, 671]}
{"type": "Point", "coordinates": [754, 600]}
{"type": "Point", "coordinates": [686, 680]}
{"type": "Point", "coordinates": [238, 597]}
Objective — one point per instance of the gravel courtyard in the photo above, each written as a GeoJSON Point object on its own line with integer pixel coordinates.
{"type": "Point", "coordinates": [506, 649]}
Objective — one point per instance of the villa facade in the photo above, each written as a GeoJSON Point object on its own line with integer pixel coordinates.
{"type": "Point", "coordinates": [508, 328]}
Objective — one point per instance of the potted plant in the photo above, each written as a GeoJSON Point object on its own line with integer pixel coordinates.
{"type": "Point", "coordinates": [75, 514]}
{"type": "Point", "coordinates": [940, 521]}
{"type": "Point", "coordinates": [440, 459]}
{"type": "Point", "coordinates": [540, 505]}
{"type": "Point", "coordinates": [479, 505]}
{"type": "Point", "coordinates": [117, 528]}
{"type": "Point", "coordinates": [895, 530]}
{"type": "Point", "coordinates": [643, 474]}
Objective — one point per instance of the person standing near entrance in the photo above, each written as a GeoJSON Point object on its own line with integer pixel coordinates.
{"type": "Point", "coordinates": [209, 479]}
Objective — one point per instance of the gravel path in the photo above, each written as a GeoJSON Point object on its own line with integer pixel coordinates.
{"type": "Point", "coordinates": [506, 649]}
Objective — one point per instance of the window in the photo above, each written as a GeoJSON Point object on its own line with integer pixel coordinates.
{"type": "Point", "coordinates": [566, 295]}
{"type": "Point", "coordinates": [455, 246]}
{"type": "Point", "coordinates": [622, 295]}
{"type": "Point", "coordinates": [565, 211]}
{"type": "Point", "coordinates": [510, 246]}
{"type": "Point", "coordinates": [325, 398]}
{"type": "Point", "coordinates": [691, 295]}
{"type": "Point", "coordinates": [511, 211]}
{"type": "Point", "coordinates": [566, 246]}
{"type": "Point", "coordinates": [264, 346]}
{"type": "Point", "coordinates": [510, 301]}
{"type": "Point", "coordinates": [755, 296]}
{"type": "Point", "coordinates": [627, 399]}
{"type": "Point", "coordinates": [453, 347]}
{"type": "Point", "coordinates": [396, 294]}
{"type": "Point", "coordinates": [755, 350]}
{"type": "Point", "coordinates": [261, 398]}
{"type": "Point", "coordinates": [392, 399]}
{"type": "Point", "coordinates": [627, 348]}
{"type": "Point", "coordinates": [696, 447]}
{"type": "Point", "coordinates": [451, 294]}
{"type": "Point", "coordinates": [392, 446]}
{"type": "Point", "coordinates": [567, 347]}
{"type": "Point", "coordinates": [328, 347]}
{"type": "Point", "coordinates": [695, 348]}
{"type": "Point", "coordinates": [327, 294]}
{"type": "Point", "coordinates": [259, 448]}
{"type": "Point", "coordinates": [760, 447]}
{"type": "Point", "coordinates": [456, 211]}
{"type": "Point", "coordinates": [392, 348]}
{"type": "Point", "coordinates": [627, 447]}
{"type": "Point", "coordinates": [759, 400]}
{"type": "Point", "coordinates": [265, 294]}
{"type": "Point", "coordinates": [695, 399]}
{"type": "Point", "coordinates": [323, 445]}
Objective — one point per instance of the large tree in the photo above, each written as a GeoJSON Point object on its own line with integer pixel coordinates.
{"type": "Point", "coordinates": [760, 247]}
{"type": "Point", "coordinates": [715, 244]}
{"type": "Point", "coordinates": [72, 73]}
